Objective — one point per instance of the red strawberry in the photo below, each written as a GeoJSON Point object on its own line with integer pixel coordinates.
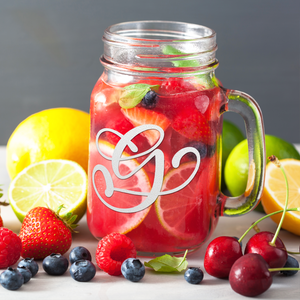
{"type": "Point", "coordinates": [112, 250]}
{"type": "Point", "coordinates": [175, 86]}
{"type": "Point", "coordinates": [4, 203]}
{"type": "Point", "coordinates": [194, 125]}
{"type": "Point", "coordinates": [141, 116]}
{"type": "Point", "coordinates": [10, 248]}
{"type": "Point", "coordinates": [43, 232]}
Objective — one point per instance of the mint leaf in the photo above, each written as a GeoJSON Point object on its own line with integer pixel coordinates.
{"type": "Point", "coordinates": [168, 263]}
{"type": "Point", "coordinates": [169, 50]}
{"type": "Point", "coordinates": [133, 94]}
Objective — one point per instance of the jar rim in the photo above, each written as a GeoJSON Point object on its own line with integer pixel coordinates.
{"type": "Point", "coordinates": [135, 32]}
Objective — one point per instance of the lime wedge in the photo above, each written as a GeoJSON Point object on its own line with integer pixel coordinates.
{"type": "Point", "coordinates": [50, 183]}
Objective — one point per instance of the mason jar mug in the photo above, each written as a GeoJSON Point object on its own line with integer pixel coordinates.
{"type": "Point", "coordinates": [156, 134]}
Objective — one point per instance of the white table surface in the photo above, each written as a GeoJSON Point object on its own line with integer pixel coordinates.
{"type": "Point", "coordinates": [153, 285]}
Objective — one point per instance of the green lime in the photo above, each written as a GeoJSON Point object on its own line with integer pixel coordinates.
{"type": "Point", "coordinates": [49, 183]}
{"type": "Point", "coordinates": [231, 136]}
{"type": "Point", "coordinates": [236, 167]}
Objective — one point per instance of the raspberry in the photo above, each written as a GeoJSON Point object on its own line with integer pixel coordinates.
{"type": "Point", "coordinates": [10, 248]}
{"type": "Point", "coordinates": [112, 250]}
{"type": "Point", "coordinates": [1, 222]}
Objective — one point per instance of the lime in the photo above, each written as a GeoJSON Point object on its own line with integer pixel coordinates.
{"type": "Point", "coordinates": [231, 136]}
{"type": "Point", "coordinates": [236, 167]}
{"type": "Point", "coordinates": [49, 183]}
{"type": "Point", "coordinates": [55, 133]}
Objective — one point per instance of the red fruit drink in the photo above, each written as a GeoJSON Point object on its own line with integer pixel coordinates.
{"type": "Point", "coordinates": [177, 221]}
{"type": "Point", "coordinates": [155, 138]}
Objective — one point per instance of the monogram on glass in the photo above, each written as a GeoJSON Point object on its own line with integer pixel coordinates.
{"type": "Point", "coordinates": [156, 136]}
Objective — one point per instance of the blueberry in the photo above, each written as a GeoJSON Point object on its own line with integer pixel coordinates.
{"type": "Point", "coordinates": [83, 270]}
{"type": "Point", "coordinates": [149, 100]}
{"type": "Point", "coordinates": [55, 264]}
{"type": "Point", "coordinates": [132, 269]}
{"type": "Point", "coordinates": [203, 149]}
{"type": "Point", "coordinates": [193, 275]}
{"type": "Point", "coordinates": [31, 264]}
{"type": "Point", "coordinates": [11, 279]}
{"type": "Point", "coordinates": [290, 263]}
{"type": "Point", "coordinates": [79, 253]}
{"type": "Point", "coordinates": [26, 273]}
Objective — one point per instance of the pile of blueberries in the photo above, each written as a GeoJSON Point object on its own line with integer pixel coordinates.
{"type": "Point", "coordinates": [82, 269]}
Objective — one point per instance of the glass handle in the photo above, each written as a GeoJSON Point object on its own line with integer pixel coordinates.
{"type": "Point", "coordinates": [247, 107]}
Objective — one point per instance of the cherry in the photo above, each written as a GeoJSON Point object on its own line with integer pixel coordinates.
{"type": "Point", "coordinates": [249, 275]}
{"type": "Point", "coordinates": [260, 243]}
{"type": "Point", "coordinates": [220, 255]}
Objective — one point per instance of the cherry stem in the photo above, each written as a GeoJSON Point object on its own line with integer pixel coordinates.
{"type": "Point", "coordinates": [291, 252]}
{"type": "Point", "coordinates": [266, 216]}
{"type": "Point", "coordinates": [274, 159]}
{"type": "Point", "coordinates": [283, 269]}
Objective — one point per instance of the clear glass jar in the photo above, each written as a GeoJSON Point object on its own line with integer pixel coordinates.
{"type": "Point", "coordinates": [155, 140]}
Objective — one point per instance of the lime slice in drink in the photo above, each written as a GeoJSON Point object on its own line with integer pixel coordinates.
{"type": "Point", "coordinates": [49, 183]}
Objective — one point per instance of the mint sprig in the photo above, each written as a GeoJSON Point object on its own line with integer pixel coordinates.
{"type": "Point", "coordinates": [169, 50]}
{"type": "Point", "coordinates": [168, 263]}
{"type": "Point", "coordinates": [133, 94]}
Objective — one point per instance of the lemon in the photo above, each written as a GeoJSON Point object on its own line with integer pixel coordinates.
{"type": "Point", "coordinates": [236, 167]}
{"type": "Point", "coordinates": [49, 183]}
{"type": "Point", "coordinates": [274, 193]}
{"type": "Point", "coordinates": [231, 136]}
{"type": "Point", "coordinates": [56, 133]}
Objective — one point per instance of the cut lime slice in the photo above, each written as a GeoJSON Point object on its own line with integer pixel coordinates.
{"type": "Point", "coordinates": [50, 183]}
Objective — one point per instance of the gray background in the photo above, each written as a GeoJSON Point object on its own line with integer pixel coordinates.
{"type": "Point", "coordinates": [49, 52]}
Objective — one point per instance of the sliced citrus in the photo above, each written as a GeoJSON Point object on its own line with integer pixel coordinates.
{"type": "Point", "coordinates": [141, 116]}
{"type": "Point", "coordinates": [183, 214]}
{"type": "Point", "coordinates": [49, 183]}
{"type": "Point", "coordinates": [274, 193]}
{"type": "Point", "coordinates": [103, 220]}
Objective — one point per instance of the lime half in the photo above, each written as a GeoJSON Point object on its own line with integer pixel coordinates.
{"type": "Point", "coordinates": [50, 183]}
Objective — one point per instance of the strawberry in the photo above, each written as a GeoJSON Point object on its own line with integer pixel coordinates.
{"type": "Point", "coordinates": [4, 204]}
{"type": "Point", "coordinates": [175, 86]}
{"type": "Point", "coordinates": [141, 116]}
{"type": "Point", "coordinates": [194, 125]}
{"type": "Point", "coordinates": [43, 232]}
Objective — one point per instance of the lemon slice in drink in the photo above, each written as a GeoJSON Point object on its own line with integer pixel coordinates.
{"type": "Point", "coordinates": [274, 193]}
{"type": "Point", "coordinates": [50, 183]}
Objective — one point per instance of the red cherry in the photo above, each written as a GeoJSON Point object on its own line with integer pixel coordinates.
{"type": "Point", "coordinates": [220, 255]}
{"type": "Point", "coordinates": [275, 256]}
{"type": "Point", "coordinates": [249, 275]}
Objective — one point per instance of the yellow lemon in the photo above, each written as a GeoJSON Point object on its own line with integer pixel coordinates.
{"type": "Point", "coordinates": [56, 133]}
{"type": "Point", "coordinates": [274, 193]}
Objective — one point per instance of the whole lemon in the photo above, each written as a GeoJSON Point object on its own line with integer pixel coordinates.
{"type": "Point", "coordinates": [56, 133]}
{"type": "Point", "coordinates": [236, 167]}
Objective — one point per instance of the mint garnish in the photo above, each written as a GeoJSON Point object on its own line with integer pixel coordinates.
{"type": "Point", "coordinates": [169, 50]}
{"type": "Point", "coordinates": [168, 263]}
{"type": "Point", "coordinates": [133, 94]}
